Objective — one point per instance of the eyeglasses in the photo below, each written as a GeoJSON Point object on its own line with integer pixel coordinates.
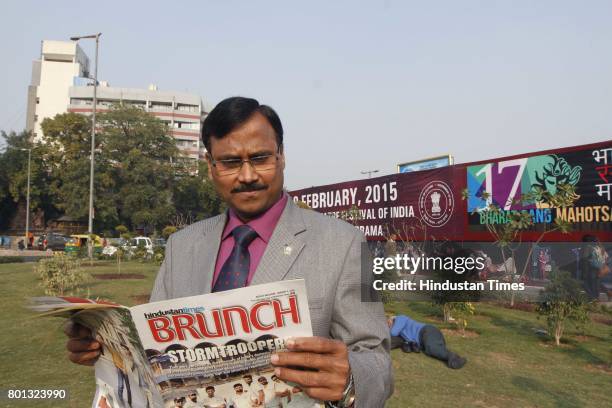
{"type": "Point", "coordinates": [260, 163]}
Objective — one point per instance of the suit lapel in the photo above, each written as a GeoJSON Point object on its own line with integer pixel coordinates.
{"type": "Point", "coordinates": [283, 248]}
{"type": "Point", "coordinates": [205, 250]}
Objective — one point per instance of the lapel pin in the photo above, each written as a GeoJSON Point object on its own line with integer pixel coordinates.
{"type": "Point", "coordinates": [288, 250]}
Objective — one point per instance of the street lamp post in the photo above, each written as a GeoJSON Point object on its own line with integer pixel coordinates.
{"type": "Point", "coordinates": [369, 172]}
{"type": "Point", "coordinates": [27, 225]}
{"type": "Point", "coordinates": [93, 142]}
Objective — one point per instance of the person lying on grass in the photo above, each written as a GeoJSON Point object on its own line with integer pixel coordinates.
{"type": "Point", "coordinates": [412, 336]}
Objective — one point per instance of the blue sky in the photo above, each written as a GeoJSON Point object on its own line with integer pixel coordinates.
{"type": "Point", "coordinates": [358, 85]}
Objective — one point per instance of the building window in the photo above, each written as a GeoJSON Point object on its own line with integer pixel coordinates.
{"type": "Point", "coordinates": [187, 125]}
{"type": "Point", "coordinates": [186, 108]}
{"type": "Point", "coordinates": [161, 106]}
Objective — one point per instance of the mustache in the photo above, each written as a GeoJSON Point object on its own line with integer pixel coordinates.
{"type": "Point", "coordinates": [244, 188]}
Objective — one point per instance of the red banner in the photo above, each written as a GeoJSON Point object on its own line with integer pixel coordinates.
{"type": "Point", "coordinates": [417, 204]}
{"type": "Point", "coordinates": [429, 204]}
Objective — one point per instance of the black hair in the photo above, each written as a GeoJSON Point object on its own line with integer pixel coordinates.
{"type": "Point", "coordinates": [233, 112]}
{"type": "Point", "coordinates": [210, 387]}
{"type": "Point", "coordinates": [237, 385]}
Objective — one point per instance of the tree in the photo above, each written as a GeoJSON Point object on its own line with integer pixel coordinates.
{"type": "Point", "coordinates": [508, 235]}
{"type": "Point", "coordinates": [14, 177]}
{"type": "Point", "coordinates": [140, 153]}
{"type": "Point", "coordinates": [68, 144]}
{"type": "Point", "coordinates": [195, 196]}
{"type": "Point", "coordinates": [122, 230]}
{"type": "Point", "coordinates": [140, 179]}
{"type": "Point", "coordinates": [562, 300]}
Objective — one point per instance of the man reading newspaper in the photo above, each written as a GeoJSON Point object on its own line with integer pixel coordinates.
{"type": "Point", "coordinates": [264, 237]}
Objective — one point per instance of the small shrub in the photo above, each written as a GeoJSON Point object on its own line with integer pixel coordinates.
{"type": "Point", "coordinates": [168, 230]}
{"type": "Point", "coordinates": [562, 300]}
{"type": "Point", "coordinates": [141, 253]}
{"type": "Point", "coordinates": [461, 312]}
{"type": "Point", "coordinates": [158, 255]}
{"type": "Point", "coordinates": [59, 274]}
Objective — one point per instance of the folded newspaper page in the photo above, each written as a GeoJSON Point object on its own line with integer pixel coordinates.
{"type": "Point", "coordinates": [210, 350]}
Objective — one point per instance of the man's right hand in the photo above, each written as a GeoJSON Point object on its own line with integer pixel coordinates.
{"type": "Point", "coordinates": [82, 347]}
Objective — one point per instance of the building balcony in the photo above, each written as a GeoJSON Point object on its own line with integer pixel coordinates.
{"type": "Point", "coordinates": [190, 134]}
{"type": "Point", "coordinates": [173, 113]}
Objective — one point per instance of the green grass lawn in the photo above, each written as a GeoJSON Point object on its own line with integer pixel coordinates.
{"type": "Point", "coordinates": [509, 364]}
{"type": "Point", "coordinates": [32, 350]}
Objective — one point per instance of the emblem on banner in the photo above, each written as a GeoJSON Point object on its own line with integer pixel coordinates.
{"type": "Point", "coordinates": [436, 203]}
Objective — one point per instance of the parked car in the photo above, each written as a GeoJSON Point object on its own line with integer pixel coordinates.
{"type": "Point", "coordinates": [52, 241]}
{"type": "Point", "coordinates": [113, 244]}
{"type": "Point", "coordinates": [77, 242]}
{"type": "Point", "coordinates": [129, 247]}
{"type": "Point", "coordinates": [159, 243]}
{"type": "Point", "coordinates": [141, 241]}
{"type": "Point", "coordinates": [117, 242]}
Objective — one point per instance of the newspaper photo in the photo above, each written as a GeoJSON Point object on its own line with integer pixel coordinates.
{"type": "Point", "coordinates": [210, 350]}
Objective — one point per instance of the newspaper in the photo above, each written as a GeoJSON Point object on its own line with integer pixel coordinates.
{"type": "Point", "coordinates": [210, 350]}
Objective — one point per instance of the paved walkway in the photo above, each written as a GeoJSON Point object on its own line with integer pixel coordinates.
{"type": "Point", "coordinates": [28, 252]}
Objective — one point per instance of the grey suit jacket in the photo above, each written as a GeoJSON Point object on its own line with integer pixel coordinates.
{"type": "Point", "coordinates": [326, 253]}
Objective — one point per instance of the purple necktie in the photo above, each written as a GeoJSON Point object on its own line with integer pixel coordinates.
{"type": "Point", "coordinates": [235, 270]}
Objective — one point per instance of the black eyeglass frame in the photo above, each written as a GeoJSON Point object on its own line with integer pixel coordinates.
{"type": "Point", "coordinates": [242, 161]}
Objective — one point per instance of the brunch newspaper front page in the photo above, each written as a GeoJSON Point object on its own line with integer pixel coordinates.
{"type": "Point", "coordinates": [210, 350]}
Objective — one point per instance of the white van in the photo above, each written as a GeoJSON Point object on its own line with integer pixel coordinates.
{"type": "Point", "coordinates": [140, 241]}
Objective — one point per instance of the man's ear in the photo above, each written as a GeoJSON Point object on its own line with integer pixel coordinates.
{"type": "Point", "coordinates": [209, 164]}
{"type": "Point", "coordinates": [281, 151]}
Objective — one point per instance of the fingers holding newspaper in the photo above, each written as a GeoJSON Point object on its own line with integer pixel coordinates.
{"type": "Point", "coordinates": [326, 363]}
{"type": "Point", "coordinates": [81, 346]}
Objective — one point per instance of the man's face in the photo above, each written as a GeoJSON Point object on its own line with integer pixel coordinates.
{"type": "Point", "coordinates": [193, 397]}
{"type": "Point", "coordinates": [210, 392]}
{"type": "Point", "coordinates": [263, 381]}
{"type": "Point", "coordinates": [248, 192]}
{"type": "Point", "coordinates": [248, 380]}
{"type": "Point", "coordinates": [238, 389]}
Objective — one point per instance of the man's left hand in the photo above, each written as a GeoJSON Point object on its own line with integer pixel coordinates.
{"type": "Point", "coordinates": [326, 363]}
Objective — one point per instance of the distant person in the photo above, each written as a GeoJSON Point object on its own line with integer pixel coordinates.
{"type": "Point", "coordinates": [413, 336]}
{"type": "Point", "coordinates": [593, 264]}
{"type": "Point", "coordinates": [250, 387]}
{"type": "Point", "coordinates": [268, 397]}
{"type": "Point", "coordinates": [281, 388]}
{"type": "Point", "coordinates": [20, 245]}
{"type": "Point", "coordinates": [241, 398]}
{"type": "Point", "coordinates": [210, 401]}
{"type": "Point", "coordinates": [192, 400]}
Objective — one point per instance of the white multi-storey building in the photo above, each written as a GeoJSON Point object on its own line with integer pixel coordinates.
{"type": "Point", "coordinates": [60, 84]}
